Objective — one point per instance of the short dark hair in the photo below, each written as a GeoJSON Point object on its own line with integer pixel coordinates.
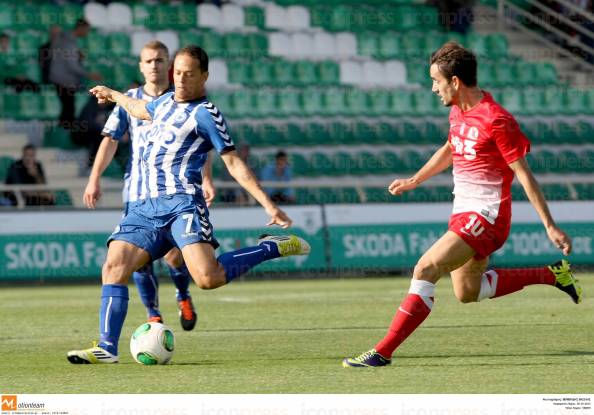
{"type": "Point", "coordinates": [280, 154]}
{"type": "Point", "coordinates": [28, 147]}
{"type": "Point", "coordinates": [197, 53]}
{"type": "Point", "coordinates": [452, 59]}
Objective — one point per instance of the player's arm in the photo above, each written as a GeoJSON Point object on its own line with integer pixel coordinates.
{"type": "Point", "coordinates": [104, 156]}
{"type": "Point", "coordinates": [134, 107]}
{"type": "Point", "coordinates": [441, 160]}
{"type": "Point", "coordinates": [208, 189]}
{"type": "Point", "coordinates": [247, 179]}
{"type": "Point", "coordinates": [536, 197]}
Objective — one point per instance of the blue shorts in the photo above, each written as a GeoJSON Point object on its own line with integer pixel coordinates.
{"type": "Point", "coordinates": [159, 224]}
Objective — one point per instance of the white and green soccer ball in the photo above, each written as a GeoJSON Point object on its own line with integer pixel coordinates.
{"type": "Point", "coordinates": [152, 344]}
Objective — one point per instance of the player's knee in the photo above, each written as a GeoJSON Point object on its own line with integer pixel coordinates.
{"type": "Point", "coordinates": [466, 296]}
{"type": "Point", "coordinates": [207, 282]}
{"type": "Point", "coordinates": [174, 258]}
{"type": "Point", "coordinates": [114, 272]}
{"type": "Point", "coordinates": [425, 271]}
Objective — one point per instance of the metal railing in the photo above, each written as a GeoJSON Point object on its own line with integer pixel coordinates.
{"type": "Point", "coordinates": [358, 183]}
{"type": "Point", "coordinates": [508, 13]}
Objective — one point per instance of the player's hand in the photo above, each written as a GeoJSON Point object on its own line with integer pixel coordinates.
{"type": "Point", "coordinates": [92, 195]}
{"type": "Point", "coordinates": [102, 93]}
{"type": "Point", "coordinates": [209, 192]}
{"type": "Point", "coordinates": [559, 239]}
{"type": "Point", "coordinates": [278, 217]}
{"type": "Point", "coordinates": [399, 186]}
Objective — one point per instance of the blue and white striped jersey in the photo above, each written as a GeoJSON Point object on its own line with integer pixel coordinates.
{"type": "Point", "coordinates": [181, 135]}
{"type": "Point", "coordinates": [118, 124]}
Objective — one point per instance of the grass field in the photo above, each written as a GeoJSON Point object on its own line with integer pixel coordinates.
{"type": "Point", "coordinates": [290, 337]}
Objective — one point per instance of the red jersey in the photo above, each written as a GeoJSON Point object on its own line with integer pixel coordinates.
{"type": "Point", "coordinates": [484, 140]}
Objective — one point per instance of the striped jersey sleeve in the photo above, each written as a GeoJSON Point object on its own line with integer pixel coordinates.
{"type": "Point", "coordinates": [211, 124]}
{"type": "Point", "coordinates": [151, 106]}
{"type": "Point", "coordinates": [118, 122]}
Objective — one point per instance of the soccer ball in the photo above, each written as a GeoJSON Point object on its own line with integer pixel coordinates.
{"type": "Point", "coordinates": [152, 344]}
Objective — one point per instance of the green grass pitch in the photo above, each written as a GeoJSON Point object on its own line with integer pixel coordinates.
{"type": "Point", "coordinates": [290, 337]}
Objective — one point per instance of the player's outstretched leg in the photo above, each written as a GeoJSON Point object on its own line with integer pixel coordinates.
{"type": "Point", "coordinates": [269, 247]}
{"type": "Point", "coordinates": [499, 282]}
{"type": "Point", "coordinates": [148, 289]}
{"type": "Point", "coordinates": [412, 312]}
{"type": "Point", "coordinates": [114, 306]}
{"type": "Point", "coordinates": [187, 313]}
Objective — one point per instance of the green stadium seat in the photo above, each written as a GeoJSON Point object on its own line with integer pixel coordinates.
{"type": "Point", "coordinates": [366, 164]}
{"type": "Point", "coordinates": [413, 46]}
{"type": "Point", "coordinates": [289, 102]}
{"type": "Point", "coordinates": [95, 44]}
{"type": "Point", "coordinates": [378, 195]}
{"type": "Point", "coordinates": [27, 43]}
{"type": "Point", "coordinates": [385, 133]}
{"type": "Point", "coordinates": [262, 72]}
{"type": "Point", "coordinates": [190, 37]}
{"type": "Point", "coordinates": [234, 45]}
{"type": "Point", "coordinates": [270, 134]}
{"type": "Point", "coordinates": [518, 193]}
{"type": "Point", "coordinates": [534, 102]}
{"type": "Point", "coordinates": [585, 191]}
{"type": "Point", "coordinates": [344, 164]}
{"type": "Point", "coordinates": [283, 72]}
{"type": "Point", "coordinates": [356, 102]}
{"type": "Point", "coordinates": [556, 191]}
{"type": "Point", "coordinates": [569, 162]}
{"type": "Point", "coordinates": [254, 16]}
{"type": "Point", "coordinates": [584, 132]}
{"type": "Point", "coordinates": [300, 165]}
{"type": "Point", "coordinates": [365, 133]}
{"type": "Point", "coordinates": [57, 137]}
{"type": "Point", "coordinates": [306, 73]}
{"type": "Point", "coordinates": [320, 164]}
{"type": "Point", "coordinates": [368, 44]}
{"type": "Point", "coordinates": [312, 101]}
{"type": "Point", "coordinates": [328, 73]}
{"type": "Point", "coordinates": [341, 133]}
{"type": "Point", "coordinates": [241, 103]}
{"type": "Point", "coordinates": [389, 163]}
{"type": "Point", "coordinates": [6, 16]}
{"type": "Point", "coordinates": [334, 100]}
{"type": "Point", "coordinates": [504, 75]}
{"type": "Point", "coordinates": [379, 102]}
{"type": "Point", "coordinates": [265, 104]}
{"type": "Point", "coordinates": [341, 18]}
{"type": "Point", "coordinates": [390, 46]}
{"type": "Point", "coordinates": [424, 102]}
{"type": "Point", "coordinates": [63, 198]}
{"type": "Point", "coordinates": [497, 46]}
{"type": "Point", "coordinates": [70, 13]}
{"type": "Point", "coordinates": [315, 133]}
{"type": "Point", "coordinates": [30, 105]}
{"type": "Point", "coordinates": [119, 44]}
{"type": "Point", "coordinates": [213, 43]}
{"type": "Point", "coordinates": [512, 101]}
{"type": "Point", "coordinates": [49, 15]}
{"type": "Point", "coordinates": [402, 103]}
{"type": "Point", "coordinates": [239, 72]}
{"type": "Point", "coordinates": [143, 14]}
{"type": "Point", "coordinates": [294, 134]}
{"type": "Point", "coordinates": [413, 160]}
{"type": "Point", "coordinates": [50, 104]}
{"type": "Point", "coordinates": [256, 44]}
{"type": "Point", "coordinates": [5, 162]}
{"type": "Point", "coordinates": [175, 17]}
{"type": "Point", "coordinates": [417, 72]}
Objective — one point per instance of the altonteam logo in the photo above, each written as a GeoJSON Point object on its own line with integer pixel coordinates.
{"type": "Point", "coordinates": [9, 402]}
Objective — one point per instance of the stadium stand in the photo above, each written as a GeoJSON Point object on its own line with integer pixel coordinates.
{"type": "Point", "coordinates": [342, 86]}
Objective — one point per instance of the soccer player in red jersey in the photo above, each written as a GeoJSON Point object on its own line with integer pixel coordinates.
{"type": "Point", "coordinates": [486, 147]}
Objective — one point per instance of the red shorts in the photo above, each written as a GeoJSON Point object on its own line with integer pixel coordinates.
{"type": "Point", "coordinates": [482, 236]}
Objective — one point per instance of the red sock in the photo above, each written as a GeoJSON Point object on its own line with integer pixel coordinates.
{"type": "Point", "coordinates": [411, 313]}
{"type": "Point", "coordinates": [500, 282]}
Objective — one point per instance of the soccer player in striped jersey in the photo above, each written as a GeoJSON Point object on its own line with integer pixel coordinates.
{"type": "Point", "coordinates": [486, 148]}
{"type": "Point", "coordinates": [154, 66]}
{"type": "Point", "coordinates": [185, 127]}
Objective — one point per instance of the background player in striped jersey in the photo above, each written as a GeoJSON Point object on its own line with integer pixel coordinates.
{"type": "Point", "coordinates": [486, 147]}
{"type": "Point", "coordinates": [154, 66]}
{"type": "Point", "coordinates": [185, 127]}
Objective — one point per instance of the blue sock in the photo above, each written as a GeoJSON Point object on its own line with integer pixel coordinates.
{"type": "Point", "coordinates": [148, 289]}
{"type": "Point", "coordinates": [241, 261]}
{"type": "Point", "coordinates": [181, 278]}
{"type": "Point", "coordinates": [114, 306]}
